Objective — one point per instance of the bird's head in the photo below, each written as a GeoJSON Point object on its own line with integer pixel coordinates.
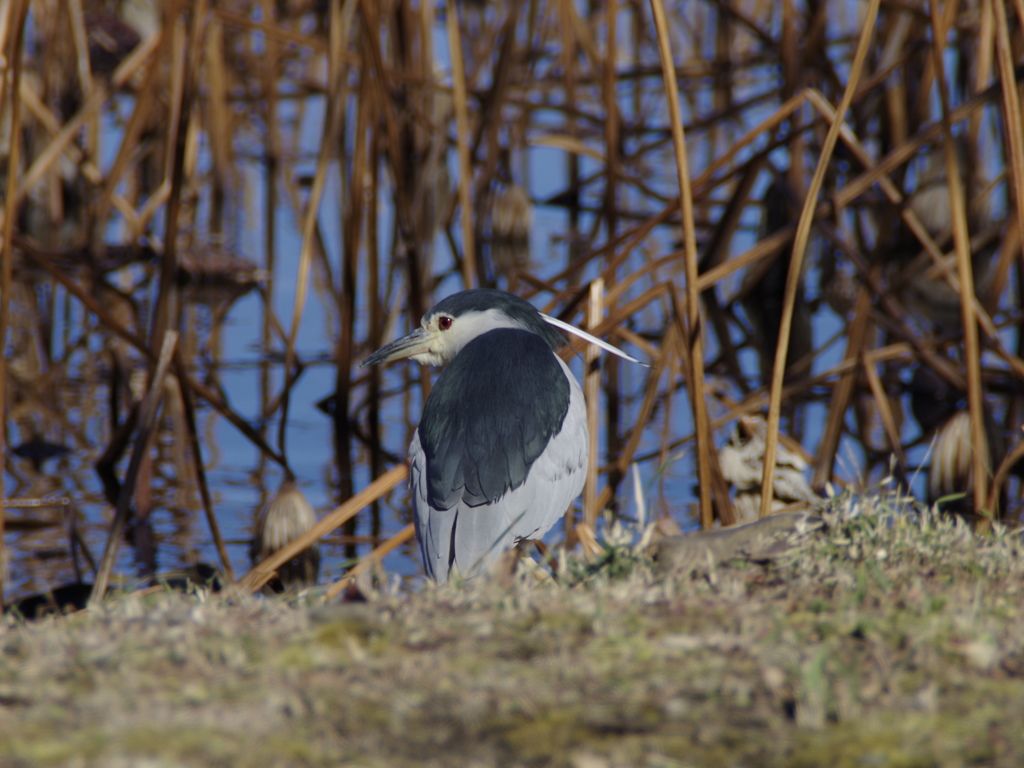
{"type": "Point", "coordinates": [457, 320]}
{"type": "Point", "coordinates": [460, 318]}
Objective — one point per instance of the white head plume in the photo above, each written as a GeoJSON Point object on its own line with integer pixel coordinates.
{"type": "Point", "coordinates": [592, 339]}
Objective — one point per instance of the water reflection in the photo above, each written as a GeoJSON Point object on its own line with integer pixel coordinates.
{"type": "Point", "coordinates": [166, 172]}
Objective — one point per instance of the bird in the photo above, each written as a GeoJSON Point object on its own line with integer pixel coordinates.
{"type": "Point", "coordinates": [502, 446]}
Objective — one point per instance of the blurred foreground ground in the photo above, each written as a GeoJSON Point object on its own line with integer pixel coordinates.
{"type": "Point", "coordinates": [891, 638]}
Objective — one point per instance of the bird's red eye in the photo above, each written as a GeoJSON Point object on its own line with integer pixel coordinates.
{"type": "Point", "coordinates": [444, 322]}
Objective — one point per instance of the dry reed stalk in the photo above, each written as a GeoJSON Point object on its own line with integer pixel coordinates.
{"type": "Point", "coordinates": [892, 430]}
{"type": "Point", "coordinates": [14, 19]}
{"type": "Point", "coordinates": [144, 100]}
{"type": "Point", "coordinates": [1011, 113]}
{"type": "Point", "coordinates": [200, 468]}
{"type": "Point", "coordinates": [88, 168]}
{"type": "Point", "coordinates": [377, 316]}
{"type": "Point", "coordinates": [722, 506]}
{"type": "Point", "coordinates": [10, 14]}
{"type": "Point", "coordinates": [901, 154]}
{"type": "Point", "coordinates": [660, 364]}
{"type": "Point", "coordinates": [1009, 249]}
{"type": "Point", "coordinates": [915, 225]}
{"type": "Point", "coordinates": [613, 171]}
{"type": "Point", "coordinates": [186, 57]}
{"type": "Point", "coordinates": [148, 410]}
{"type": "Point", "coordinates": [1018, 6]}
{"type": "Point", "coordinates": [894, 318]}
{"type": "Point", "coordinates": [983, 66]}
{"type": "Point", "coordinates": [76, 19]}
{"type": "Point", "coordinates": [638, 341]}
{"type": "Point", "coordinates": [566, 143]}
{"type": "Point", "coordinates": [591, 392]}
{"type": "Point", "coordinates": [716, 252]}
{"type": "Point", "coordinates": [764, 249]}
{"type": "Point", "coordinates": [45, 161]}
{"type": "Point", "coordinates": [338, 27]}
{"type": "Point", "coordinates": [469, 276]}
{"type": "Point", "coordinates": [496, 206]}
{"type": "Point", "coordinates": [756, 401]}
{"type": "Point", "coordinates": [567, 28]}
{"type": "Point", "coordinates": [961, 244]}
{"type": "Point", "coordinates": [784, 112]}
{"type": "Point", "coordinates": [347, 291]}
{"type": "Point", "coordinates": [1002, 475]}
{"type": "Point", "coordinates": [842, 392]}
{"type": "Point", "coordinates": [274, 32]}
{"type": "Point", "coordinates": [793, 52]}
{"type": "Point", "coordinates": [370, 559]}
{"type": "Point", "coordinates": [309, 219]}
{"type": "Point", "coordinates": [372, 62]}
{"type": "Point", "coordinates": [898, 352]}
{"type": "Point", "coordinates": [613, 323]}
{"type": "Point", "coordinates": [213, 399]}
{"type": "Point", "coordinates": [219, 129]}
{"type": "Point", "coordinates": [802, 236]}
{"type": "Point", "coordinates": [618, 249]}
{"type": "Point", "coordinates": [264, 571]}
{"type": "Point", "coordinates": [270, 323]}
{"type": "Point", "coordinates": [693, 332]}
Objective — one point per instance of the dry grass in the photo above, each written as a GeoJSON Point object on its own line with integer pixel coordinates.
{"type": "Point", "coordinates": [892, 638]}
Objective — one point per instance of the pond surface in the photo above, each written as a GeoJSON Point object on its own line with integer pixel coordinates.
{"type": "Point", "coordinates": [361, 111]}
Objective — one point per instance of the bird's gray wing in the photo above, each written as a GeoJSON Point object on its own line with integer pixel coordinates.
{"type": "Point", "coordinates": [470, 538]}
{"type": "Point", "coordinates": [489, 416]}
{"type": "Point", "coordinates": [433, 526]}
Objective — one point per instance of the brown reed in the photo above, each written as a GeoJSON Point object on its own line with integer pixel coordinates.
{"type": "Point", "coordinates": [667, 119]}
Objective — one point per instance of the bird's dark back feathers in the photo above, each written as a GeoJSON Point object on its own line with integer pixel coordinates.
{"type": "Point", "coordinates": [490, 415]}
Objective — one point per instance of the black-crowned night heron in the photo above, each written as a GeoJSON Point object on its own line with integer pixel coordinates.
{"type": "Point", "coordinates": [501, 449]}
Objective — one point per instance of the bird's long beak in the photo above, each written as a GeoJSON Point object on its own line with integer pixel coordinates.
{"type": "Point", "coordinates": [415, 343]}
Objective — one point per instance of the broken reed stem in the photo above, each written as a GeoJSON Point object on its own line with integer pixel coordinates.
{"type": "Point", "coordinates": [370, 559]}
{"type": "Point", "coordinates": [200, 469]}
{"type": "Point", "coordinates": [167, 312]}
{"type": "Point", "coordinates": [264, 571]}
{"type": "Point", "coordinates": [147, 420]}
{"type": "Point", "coordinates": [793, 279]}
{"type": "Point", "coordinates": [885, 411]}
{"type": "Point", "coordinates": [693, 330]}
